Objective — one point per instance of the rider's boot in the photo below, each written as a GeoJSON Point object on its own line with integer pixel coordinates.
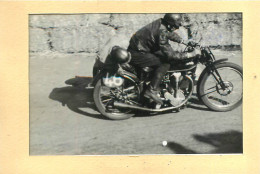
{"type": "Point", "coordinates": [153, 90]}
{"type": "Point", "coordinates": [153, 94]}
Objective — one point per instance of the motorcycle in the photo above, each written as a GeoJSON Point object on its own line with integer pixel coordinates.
{"type": "Point", "coordinates": [119, 94]}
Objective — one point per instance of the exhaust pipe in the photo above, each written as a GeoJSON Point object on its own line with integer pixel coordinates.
{"type": "Point", "coordinates": [135, 107]}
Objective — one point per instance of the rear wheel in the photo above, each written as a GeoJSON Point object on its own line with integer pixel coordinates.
{"type": "Point", "coordinates": [104, 98]}
{"type": "Point", "coordinates": [225, 92]}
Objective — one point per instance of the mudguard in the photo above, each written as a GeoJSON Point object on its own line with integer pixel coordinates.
{"type": "Point", "coordinates": [219, 61]}
{"type": "Point", "coordinates": [129, 76]}
{"type": "Point", "coordinates": [213, 64]}
{"type": "Point", "coordinates": [98, 76]}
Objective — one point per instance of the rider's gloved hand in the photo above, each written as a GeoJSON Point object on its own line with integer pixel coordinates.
{"type": "Point", "coordinates": [195, 53]}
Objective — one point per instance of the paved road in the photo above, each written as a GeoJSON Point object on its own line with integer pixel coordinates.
{"type": "Point", "coordinates": [63, 120]}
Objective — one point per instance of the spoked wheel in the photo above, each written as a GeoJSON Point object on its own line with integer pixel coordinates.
{"type": "Point", "coordinates": [222, 89]}
{"type": "Point", "coordinates": [104, 98]}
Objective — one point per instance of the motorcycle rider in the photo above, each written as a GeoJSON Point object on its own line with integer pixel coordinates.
{"type": "Point", "coordinates": [150, 47]}
{"type": "Point", "coordinates": [119, 39]}
{"type": "Point", "coordinates": [118, 58]}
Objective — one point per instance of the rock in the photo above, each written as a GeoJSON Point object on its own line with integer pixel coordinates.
{"type": "Point", "coordinates": [38, 40]}
{"type": "Point", "coordinates": [88, 33]}
{"type": "Point", "coordinates": [66, 21]}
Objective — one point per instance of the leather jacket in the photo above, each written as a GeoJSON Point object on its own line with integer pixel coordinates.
{"type": "Point", "coordinates": [155, 37]}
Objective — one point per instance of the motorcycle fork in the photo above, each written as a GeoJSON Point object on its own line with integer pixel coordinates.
{"type": "Point", "coordinates": [217, 77]}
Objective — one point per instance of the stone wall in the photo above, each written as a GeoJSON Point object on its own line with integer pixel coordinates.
{"type": "Point", "coordinates": [87, 33]}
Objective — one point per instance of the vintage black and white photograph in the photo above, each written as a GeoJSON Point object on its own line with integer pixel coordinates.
{"type": "Point", "coordinates": [135, 83]}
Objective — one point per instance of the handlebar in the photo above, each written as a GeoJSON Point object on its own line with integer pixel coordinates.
{"type": "Point", "coordinates": [196, 45]}
{"type": "Point", "coordinates": [202, 48]}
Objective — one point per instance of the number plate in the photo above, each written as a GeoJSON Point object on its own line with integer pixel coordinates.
{"type": "Point", "coordinates": [112, 81]}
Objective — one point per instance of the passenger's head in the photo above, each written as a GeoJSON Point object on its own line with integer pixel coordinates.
{"type": "Point", "coordinates": [172, 20]}
{"type": "Point", "coordinates": [120, 55]}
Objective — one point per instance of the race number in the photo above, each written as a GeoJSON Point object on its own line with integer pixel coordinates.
{"type": "Point", "coordinates": [113, 81]}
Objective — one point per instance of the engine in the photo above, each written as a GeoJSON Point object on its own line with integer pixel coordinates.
{"type": "Point", "coordinates": [178, 89]}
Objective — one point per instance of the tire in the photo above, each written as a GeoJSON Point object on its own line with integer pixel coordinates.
{"type": "Point", "coordinates": [120, 115]}
{"type": "Point", "coordinates": [207, 87]}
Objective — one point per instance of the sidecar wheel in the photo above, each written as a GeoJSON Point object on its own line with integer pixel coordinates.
{"type": "Point", "coordinates": [102, 106]}
{"type": "Point", "coordinates": [222, 99]}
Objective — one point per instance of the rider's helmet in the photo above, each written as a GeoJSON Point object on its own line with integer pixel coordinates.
{"type": "Point", "coordinates": [173, 20]}
{"type": "Point", "coordinates": [120, 55]}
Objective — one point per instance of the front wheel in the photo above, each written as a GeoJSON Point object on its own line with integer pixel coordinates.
{"type": "Point", "coordinates": [222, 89]}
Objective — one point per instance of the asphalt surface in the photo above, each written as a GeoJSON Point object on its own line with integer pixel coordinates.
{"type": "Point", "coordinates": [63, 119]}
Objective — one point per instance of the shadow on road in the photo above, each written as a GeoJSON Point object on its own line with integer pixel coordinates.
{"type": "Point", "coordinates": [76, 97]}
{"type": "Point", "coordinates": [195, 103]}
{"type": "Point", "coordinates": [180, 149]}
{"type": "Point", "coordinates": [195, 100]}
{"type": "Point", "coordinates": [224, 142]}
